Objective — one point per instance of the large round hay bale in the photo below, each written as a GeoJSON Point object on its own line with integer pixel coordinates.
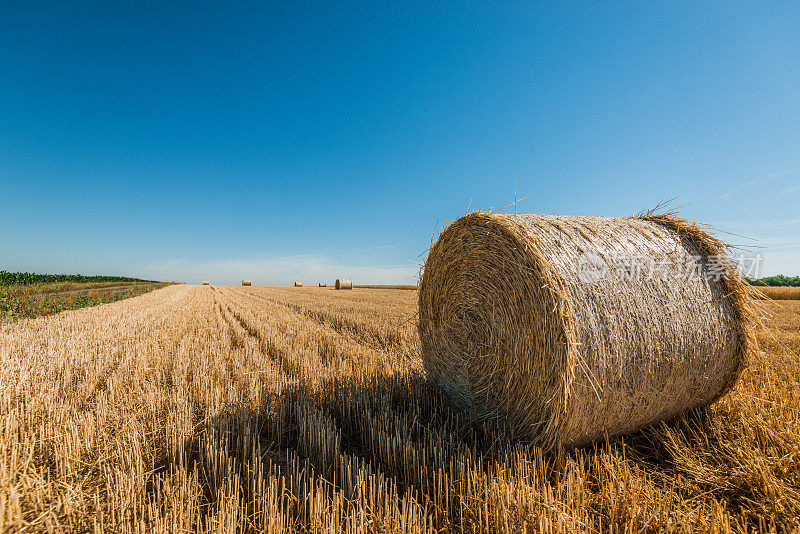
{"type": "Point", "coordinates": [323, 284]}
{"type": "Point", "coordinates": [247, 282]}
{"type": "Point", "coordinates": [344, 283]}
{"type": "Point", "coordinates": [531, 320]}
{"type": "Point", "coordinates": [298, 284]}
{"type": "Point", "coordinates": [206, 283]}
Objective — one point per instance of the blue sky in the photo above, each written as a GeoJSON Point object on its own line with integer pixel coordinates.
{"type": "Point", "coordinates": [283, 141]}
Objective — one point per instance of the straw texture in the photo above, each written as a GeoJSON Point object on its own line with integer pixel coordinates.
{"type": "Point", "coordinates": [298, 284]}
{"type": "Point", "coordinates": [344, 283]}
{"type": "Point", "coordinates": [323, 284]}
{"type": "Point", "coordinates": [512, 329]}
{"type": "Point", "coordinates": [247, 282]}
{"type": "Point", "coordinates": [206, 283]}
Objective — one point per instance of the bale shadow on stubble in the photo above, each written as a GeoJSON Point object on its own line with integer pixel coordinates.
{"type": "Point", "coordinates": [402, 428]}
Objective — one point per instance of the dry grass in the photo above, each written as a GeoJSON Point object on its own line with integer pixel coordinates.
{"type": "Point", "coordinates": [62, 287]}
{"type": "Point", "coordinates": [245, 409]}
{"type": "Point", "coordinates": [781, 293]}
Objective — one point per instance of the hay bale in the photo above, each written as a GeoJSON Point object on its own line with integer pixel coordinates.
{"type": "Point", "coordinates": [206, 283]}
{"type": "Point", "coordinates": [247, 282]}
{"type": "Point", "coordinates": [344, 283]}
{"type": "Point", "coordinates": [298, 284]}
{"type": "Point", "coordinates": [522, 322]}
{"type": "Point", "coordinates": [323, 284]}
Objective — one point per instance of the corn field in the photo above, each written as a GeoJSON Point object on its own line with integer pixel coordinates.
{"type": "Point", "coordinates": [9, 278]}
{"type": "Point", "coordinates": [255, 409]}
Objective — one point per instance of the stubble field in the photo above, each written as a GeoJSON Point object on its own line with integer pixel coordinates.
{"type": "Point", "coordinates": [249, 409]}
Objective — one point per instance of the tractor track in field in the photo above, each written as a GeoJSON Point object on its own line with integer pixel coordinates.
{"type": "Point", "coordinates": [353, 330]}
{"type": "Point", "coordinates": [266, 345]}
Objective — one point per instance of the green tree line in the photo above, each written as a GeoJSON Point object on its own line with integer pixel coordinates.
{"type": "Point", "coordinates": [780, 280]}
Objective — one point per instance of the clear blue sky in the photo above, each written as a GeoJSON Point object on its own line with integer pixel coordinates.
{"type": "Point", "coordinates": [315, 140]}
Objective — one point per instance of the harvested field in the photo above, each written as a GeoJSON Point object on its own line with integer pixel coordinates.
{"type": "Point", "coordinates": [230, 408]}
{"type": "Point", "coordinates": [781, 292]}
{"type": "Point", "coordinates": [397, 286]}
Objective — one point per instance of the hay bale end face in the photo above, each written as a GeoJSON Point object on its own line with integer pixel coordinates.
{"type": "Point", "coordinates": [206, 283]}
{"type": "Point", "coordinates": [344, 283]}
{"type": "Point", "coordinates": [247, 282]}
{"type": "Point", "coordinates": [298, 284]}
{"type": "Point", "coordinates": [524, 320]}
{"type": "Point", "coordinates": [323, 284]}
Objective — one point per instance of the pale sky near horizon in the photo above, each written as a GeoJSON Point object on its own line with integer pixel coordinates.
{"type": "Point", "coordinates": [311, 141]}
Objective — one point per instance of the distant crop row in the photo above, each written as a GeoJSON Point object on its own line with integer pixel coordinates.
{"type": "Point", "coordinates": [10, 279]}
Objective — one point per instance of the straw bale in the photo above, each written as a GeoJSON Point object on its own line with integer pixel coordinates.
{"type": "Point", "coordinates": [526, 320]}
{"type": "Point", "coordinates": [344, 283]}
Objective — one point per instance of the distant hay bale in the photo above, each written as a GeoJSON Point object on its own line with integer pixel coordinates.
{"type": "Point", "coordinates": [247, 282]}
{"type": "Point", "coordinates": [323, 284]}
{"type": "Point", "coordinates": [530, 320]}
{"type": "Point", "coordinates": [344, 283]}
{"type": "Point", "coordinates": [298, 284]}
{"type": "Point", "coordinates": [206, 283]}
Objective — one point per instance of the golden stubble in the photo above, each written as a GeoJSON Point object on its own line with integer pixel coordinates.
{"type": "Point", "coordinates": [248, 409]}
